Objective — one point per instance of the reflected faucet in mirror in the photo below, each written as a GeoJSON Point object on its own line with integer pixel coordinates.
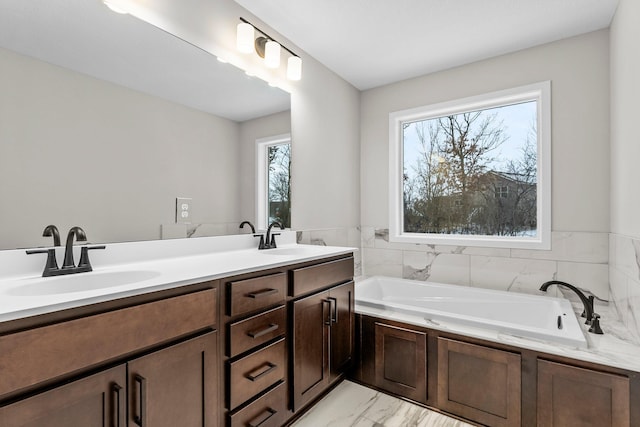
{"type": "Point", "coordinates": [68, 267]}
{"type": "Point", "coordinates": [271, 238]}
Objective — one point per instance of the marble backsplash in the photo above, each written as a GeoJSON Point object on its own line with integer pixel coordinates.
{"type": "Point", "coordinates": [577, 258]}
{"type": "Point", "coordinates": [624, 279]}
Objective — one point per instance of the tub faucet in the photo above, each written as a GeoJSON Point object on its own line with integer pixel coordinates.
{"type": "Point", "coordinates": [592, 318]}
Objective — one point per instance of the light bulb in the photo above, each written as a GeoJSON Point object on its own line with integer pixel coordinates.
{"type": "Point", "coordinates": [294, 68]}
{"type": "Point", "coordinates": [245, 37]}
{"type": "Point", "coordinates": [272, 54]}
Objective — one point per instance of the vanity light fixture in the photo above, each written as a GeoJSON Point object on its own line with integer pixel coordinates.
{"type": "Point", "coordinates": [266, 47]}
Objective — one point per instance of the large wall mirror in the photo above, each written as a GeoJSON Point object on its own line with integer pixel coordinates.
{"type": "Point", "coordinates": [106, 119]}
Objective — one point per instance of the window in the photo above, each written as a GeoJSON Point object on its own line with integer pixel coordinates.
{"type": "Point", "coordinates": [273, 181]}
{"type": "Point", "coordinates": [473, 172]}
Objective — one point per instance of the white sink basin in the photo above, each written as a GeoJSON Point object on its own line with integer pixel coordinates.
{"type": "Point", "coordinates": [296, 251]}
{"type": "Point", "coordinates": [79, 282]}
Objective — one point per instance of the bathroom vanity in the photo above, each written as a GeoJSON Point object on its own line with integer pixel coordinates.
{"type": "Point", "coordinates": [254, 344]}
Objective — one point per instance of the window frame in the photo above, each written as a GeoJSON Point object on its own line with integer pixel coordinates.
{"type": "Point", "coordinates": [262, 179]}
{"type": "Point", "coordinates": [539, 92]}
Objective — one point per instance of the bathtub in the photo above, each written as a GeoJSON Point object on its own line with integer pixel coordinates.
{"type": "Point", "coordinates": [530, 316]}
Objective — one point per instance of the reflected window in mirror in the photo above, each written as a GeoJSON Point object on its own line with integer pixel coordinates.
{"type": "Point", "coordinates": [273, 176]}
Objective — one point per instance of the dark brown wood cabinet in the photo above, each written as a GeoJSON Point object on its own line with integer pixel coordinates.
{"type": "Point", "coordinates": [479, 383]}
{"type": "Point", "coordinates": [401, 361]}
{"type": "Point", "coordinates": [572, 396]}
{"type": "Point", "coordinates": [342, 329]}
{"type": "Point", "coordinates": [95, 401]}
{"type": "Point", "coordinates": [322, 341]}
{"type": "Point", "coordinates": [176, 386]}
{"type": "Point", "coordinates": [490, 383]}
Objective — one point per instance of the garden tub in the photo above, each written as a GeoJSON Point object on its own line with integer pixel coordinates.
{"type": "Point", "coordinates": [530, 316]}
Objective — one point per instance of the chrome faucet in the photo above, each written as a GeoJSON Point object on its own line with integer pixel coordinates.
{"type": "Point", "coordinates": [593, 319]}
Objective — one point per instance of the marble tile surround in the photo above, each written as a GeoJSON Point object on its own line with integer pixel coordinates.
{"type": "Point", "coordinates": [578, 258]}
{"type": "Point", "coordinates": [353, 405]}
{"type": "Point", "coordinates": [344, 237]}
{"type": "Point", "coordinates": [624, 279]}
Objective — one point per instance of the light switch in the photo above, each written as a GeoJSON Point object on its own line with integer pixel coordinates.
{"type": "Point", "coordinates": [183, 210]}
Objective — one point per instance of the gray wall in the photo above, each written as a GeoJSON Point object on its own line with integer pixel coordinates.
{"type": "Point", "coordinates": [579, 73]}
{"type": "Point", "coordinates": [624, 266]}
{"type": "Point", "coordinates": [75, 150]}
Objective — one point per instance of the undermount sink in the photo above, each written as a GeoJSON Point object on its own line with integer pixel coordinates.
{"type": "Point", "coordinates": [296, 250]}
{"type": "Point", "coordinates": [80, 282]}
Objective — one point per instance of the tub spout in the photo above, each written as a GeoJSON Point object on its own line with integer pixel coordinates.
{"type": "Point", "coordinates": [587, 302]}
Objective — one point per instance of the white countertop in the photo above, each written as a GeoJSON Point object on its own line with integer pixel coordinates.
{"type": "Point", "coordinates": [615, 348]}
{"type": "Point", "coordinates": [153, 266]}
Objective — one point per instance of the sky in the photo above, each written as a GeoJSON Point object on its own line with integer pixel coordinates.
{"type": "Point", "coordinates": [517, 120]}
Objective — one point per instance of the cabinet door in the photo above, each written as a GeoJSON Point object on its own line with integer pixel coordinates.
{"type": "Point", "coordinates": [342, 324]}
{"type": "Point", "coordinates": [176, 386]}
{"type": "Point", "coordinates": [479, 383]}
{"type": "Point", "coordinates": [581, 397]}
{"type": "Point", "coordinates": [401, 361]}
{"type": "Point", "coordinates": [94, 401]}
{"type": "Point", "coordinates": [311, 323]}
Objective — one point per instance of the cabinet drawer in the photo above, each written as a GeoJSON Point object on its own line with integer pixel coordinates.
{"type": "Point", "coordinates": [245, 296]}
{"type": "Point", "coordinates": [253, 373]}
{"type": "Point", "coordinates": [269, 410]}
{"type": "Point", "coordinates": [308, 279]}
{"type": "Point", "coordinates": [36, 355]}
{"type": "Point", "coordinates": [256, 330]}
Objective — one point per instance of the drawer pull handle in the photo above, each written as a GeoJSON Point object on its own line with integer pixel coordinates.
{"type": "Point", "coordinates": [262, 293]}
{"type": "Point", "coordinates": [260, 372]}
{"type": "Point", "coordinates": [140, 402]}
{"type": "Point", "coordinates": [257, 334]}
{"type": "Point", "coordinates": [261, 419]}
{"type": "Point", "coordinates": [115, 389]}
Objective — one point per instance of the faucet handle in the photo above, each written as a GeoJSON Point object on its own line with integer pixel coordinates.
{"type": "Point", "coordinates": [261, 244]}
{"type": "Point", "coordinates": [84, 262]}
{"type": "Point", "coordinates": [52, 263]}
{"type": "Point", "coordinates": [595, 325]}
{"type": "Point", "coordinates": [591, 299]}
{"type": "Point", "coordinates": [272, 244]}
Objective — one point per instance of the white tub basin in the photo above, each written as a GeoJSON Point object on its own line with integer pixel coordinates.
{"type": "Point", "coordinates": [80, 282]}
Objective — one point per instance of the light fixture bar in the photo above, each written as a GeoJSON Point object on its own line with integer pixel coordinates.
{"type": "Point", "coordinates": [268, 36]}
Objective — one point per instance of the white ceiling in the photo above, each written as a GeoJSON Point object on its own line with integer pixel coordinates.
{"type": "Point", "coordinates": [85, 36]}
{"type": "Point", "coordinates": [375, 42]}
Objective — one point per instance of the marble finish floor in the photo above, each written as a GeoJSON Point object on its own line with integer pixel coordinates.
{"type": "Point", "coordinates": [352, 405]}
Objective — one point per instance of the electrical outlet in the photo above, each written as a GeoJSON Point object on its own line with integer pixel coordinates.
{"type": "Point", "coordinates": [183, 210]}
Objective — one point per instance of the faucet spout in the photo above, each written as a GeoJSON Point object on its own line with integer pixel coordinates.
{"type": "Point", "coordinates": [80, 236]}
{"type": "Point", "coordinates": [52, 231]}
{"type": "Point", "coordinates": [588, 304]}
{"type": "Point", "coordinates": [243, 223]}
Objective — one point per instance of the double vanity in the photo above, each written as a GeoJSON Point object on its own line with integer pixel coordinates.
{"type": "Point", "coordinates": [214, 332]}
{"type": "Point", "coordinates": [209, 332]}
